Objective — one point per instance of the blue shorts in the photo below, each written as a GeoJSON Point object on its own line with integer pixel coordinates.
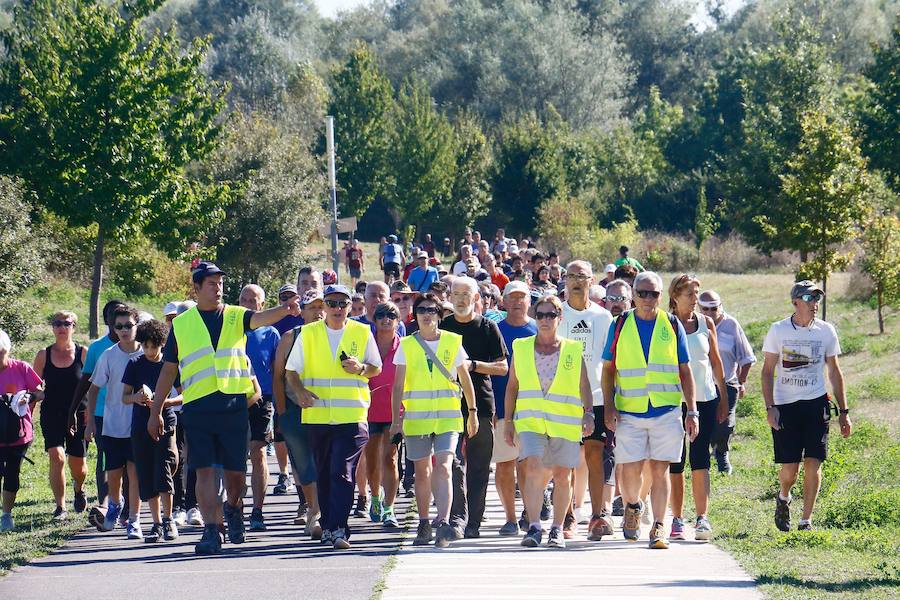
{"type": "Point", "coordinates": [216, 438]}
{"type": "Point", "coordinates": [296, 436]}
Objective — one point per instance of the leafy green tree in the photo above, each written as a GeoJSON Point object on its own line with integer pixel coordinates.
{"type": "Point", "coordinates": [362, 105]}
{"type": "Point", "coordinates": [21, 257]}
{"type": "Point", "coordinates": [881, 113]}
{"type": "Point", "coordinates": [422, 156]}
{"type": "Point", "coordinates": [881, 247]}
{"type": "Point", "coordinates": [99, 122]}
{"type": "Point", "coordinates": [470, 193]}
{"type": "Point", "coordinates": [825, 189]}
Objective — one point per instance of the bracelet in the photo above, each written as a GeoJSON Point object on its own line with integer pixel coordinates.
{"type": "Point", "coordinates": [589, 414]}
{"type": "Point", "coordinates": [844, 411]}
{"type": "Point", "coordinates": [768, 408]}
{"type": "Point", "coordinates": [693, 413]}
{"type": "Point", "coordinates": [473, 410]}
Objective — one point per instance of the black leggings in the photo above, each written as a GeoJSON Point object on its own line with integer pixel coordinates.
{"type": "Point", "coordinates": [11, 465]}
{"type": "Point", "coordinates": [699, 448]}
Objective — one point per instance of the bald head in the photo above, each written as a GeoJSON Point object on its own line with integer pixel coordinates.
{"type": "Point", "coordinates": [377, 292]}
{"type": "Point", "coordinates": [252, 297]}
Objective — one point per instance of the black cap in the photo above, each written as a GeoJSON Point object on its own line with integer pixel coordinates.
{"type": "Point", "coordinates": [205, 269]}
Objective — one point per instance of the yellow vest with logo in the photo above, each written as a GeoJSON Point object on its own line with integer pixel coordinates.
{"type": "Point", "coordinates": [431, 402]}
{"type": "Point", "coordinates": [205, 370]}
{"type": "Point", "coordinates": [643, 382]}
{"type": "Point", "coordinates": [342, 397]}
{"type": "Point", "coordinates": [559, 413]}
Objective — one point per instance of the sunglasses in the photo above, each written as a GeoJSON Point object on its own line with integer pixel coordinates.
{"type": "Point", "coordinates": [286, 297]}
{"type": "Point", "coordinates": [403, 298]}
{"type": "Point", "coordinates": [63, 324]}
{"type": "Point", "coordinates": [647, 293]}
{"type": "Point", "coordinates": [428, 310]}
{"type": "Point", "coordinates": [614, 298]}
{"type": "Point", "coordinates": [540, 315]}
{"type": "Point", "coordinates": [709, 308]}
{"type": "Point", "coordinates": [385, 315]}
{"type": "Point", "coordinates": [811, 297]}
{"type": "Point", "coordinates": [337, 303]}
{"type": "Point", "coordinates": [121, 326]}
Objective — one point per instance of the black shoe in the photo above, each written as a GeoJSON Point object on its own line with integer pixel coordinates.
{"type": "Point", "coordinates": [618, 507]}
{"type": "Point", "coordinates": [79, 502]}
{"type": "Point", "coordinates": [156, 533]}
{"type": "Point", "coordinates": [60, 514]}
{"type": "Point", "coordinates": [423, 533]}
{"type": "Point", "coordinates": [234, 517]}
{"type": "Point", "coordinates": [532, 539]}
{"type": "Point", "coordinates": [805, 527]}
{"type": "Point", "coordinates": [362, 506]}
{"type": "Point", "coordinates": [211, 542]}
{"type": "Point", "coordinates": [523, 522]}
{"type": "Point", "coordinates": [409, 493]}
{"type": "Point", "coordinates": [445, 534]}
{"type": "Point", "coordinates": [547, 505]}
{"type": "Point", "coordinates": [472, 532]}
{"type": "Point", "coordinates": [281, 487]}
{"type": "Point", "coordinates": [170, 530]}
{"type": "Point", "coordinates": [723, 463]}
{"type": "Point", "coordinates": [257, 522]}
{"type": "Point", "coordinates": [782, 513]}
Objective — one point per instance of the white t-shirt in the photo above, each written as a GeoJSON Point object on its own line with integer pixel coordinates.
{"type": "Point", "coordinates": [590, 327]}
{"type": "Point", "coordinates": [800, 372]}
{"type": "Point", "coordinates": [460, 358]}
{"type": "Point", "coordinates": [370, 357]}
{"type": "Point", "coordinates": [458, 268]}
{"type": "Point", "coordinates": [108, 373]}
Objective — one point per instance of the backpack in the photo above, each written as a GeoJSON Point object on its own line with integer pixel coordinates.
{"type": "Point", "coordinates": [12, 426]}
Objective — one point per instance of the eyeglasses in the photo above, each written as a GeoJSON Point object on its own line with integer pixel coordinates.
{"type": "Point", "coordinates": [614, 298]}
{"type": "Point", "coordinates": [428, 310]}
{"type": "Point", "coordinates": [647, 293]}
{"type": "Point", "coordinates": [540, 315]}
{"type": "Point", "coordinates": [66, 324]}
{"type": "Point", "coordinates": [403, 298]}
{"type": "Point", "coordinates": [337, 303]}
{"type": "Point", "coordinates": [385, 315]}
{"type": "Point", "coordinates": [120, 326]}
{"type": "Point", "coordinates": [578, 277]}
{"type": "Point", "coordinates": [816, 297]}
{"type": "Point", "coordinates": [286, 297]}
{"type": "Point", "coordinates": [709, 308]}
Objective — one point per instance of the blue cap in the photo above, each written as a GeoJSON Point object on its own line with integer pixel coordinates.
{"type": "Point", "coordinates": [337, 289]}
{"type": "Point", "coordinates": [205, 269]}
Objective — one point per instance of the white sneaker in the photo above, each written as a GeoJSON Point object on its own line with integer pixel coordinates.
{"type": "Point", "coordinates": [179, 518]}
{"type": "Point", "coordinates": [134, 531]}
{"type": "Point", "coordinates": [579, 516]}
{"type": "Point", "coordinates": [645, 514]}
{"type": "Point", "coordinates": [194, 517]}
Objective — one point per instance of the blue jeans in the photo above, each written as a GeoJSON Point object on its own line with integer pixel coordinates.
{"type": "Point", "coordinates": [296, 436]}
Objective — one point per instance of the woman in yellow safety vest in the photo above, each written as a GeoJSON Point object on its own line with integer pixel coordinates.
{"type": "Point", "coordinates": [432, 369]}
{"type": "Point", "coordinates": [549, 404]}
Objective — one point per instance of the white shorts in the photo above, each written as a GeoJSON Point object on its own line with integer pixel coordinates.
{"type": "Point", "coordinates": [503, 452]}
{"type": "Point", "coordinates": [655, 438]}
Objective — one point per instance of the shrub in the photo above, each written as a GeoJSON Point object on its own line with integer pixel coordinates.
{"type": "Point", "coordinates": [21, 257]}
{"type": "Point", "coordinates": [858, 507]}
{"type": "Point", "coordinates": [666, 252]}
{"type": "Point", "coordinates": [731, 254]}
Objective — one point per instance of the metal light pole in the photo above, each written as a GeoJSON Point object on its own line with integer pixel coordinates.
{"type": "Point", "coordinates": [332, 190]}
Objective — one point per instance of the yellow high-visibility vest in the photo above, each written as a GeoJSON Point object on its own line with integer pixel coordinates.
{"type": "Point", "coordinates": [641, 382]}
{"type": "Point", "coordinates": [431, 402]}
{"type": "Point", "coordinates": [343, 397]}
{"type": "Point", "coordinates": [205, 370]}
{"type": "Point", "coordinates": [559, 413]}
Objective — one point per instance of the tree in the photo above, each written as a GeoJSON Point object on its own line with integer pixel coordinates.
{"type": "Point", "coordinates": [422, 156]}
{"type": "Point", "coordinates": [470, 193]}
{"type": "Point", "coordinates": [362, 104]}
{"type": "Point", "coordinates": [100, 122]}
{"type": "Point", "coordinates": [21, 257]}
{"type": "Point", "coordinates": [881, 113]}
{"type": "Point", "coordinates": [881, 247]}
{"type": "Point", "coordinates": [825, 190]}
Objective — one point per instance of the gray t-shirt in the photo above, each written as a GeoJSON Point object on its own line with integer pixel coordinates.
{"type": "Point", "coordinates": [108, 374]}
{"type": "Point", "coordinates": [734, 347]}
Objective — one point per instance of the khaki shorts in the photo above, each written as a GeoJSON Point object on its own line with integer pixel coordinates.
{"type": "Point", "coordinates": [503, 452]}
{"type": "Point", "coordinates": [554, 452]}
{"type": "Point", "coordinates": [655, 438]}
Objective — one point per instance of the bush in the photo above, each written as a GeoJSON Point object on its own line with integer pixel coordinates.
{"type": "Point", "coordinates": [72, 255]}
{"type": "Point", "coordinates": [144, 270]}
{"type": "Point", "coordinates": [21, 256]}
{"type": "Point", "coordinates": [666, 252]}
{"type": "Point", "coordinates": [731, 254]}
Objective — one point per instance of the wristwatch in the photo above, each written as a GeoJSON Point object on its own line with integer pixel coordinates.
{"type": "Point", "coordinates": [693, 413]}
{"type": "Point", "coordinates": [844, 411]}
{"type": "Point", "coordinates": [472, 366]}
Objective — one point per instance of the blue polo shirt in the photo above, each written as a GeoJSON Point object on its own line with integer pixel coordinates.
{"type": "Point", "coordinates": [261, 346]}
{"type": "Point", "coordinates": [509, 333]}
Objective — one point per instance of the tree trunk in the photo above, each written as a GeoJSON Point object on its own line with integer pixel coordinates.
{"type": "Point", "coordinates": [880, 295]}
{"type": "Point", "coordinates": [96, 284]}
{"type": "Point", "coordinates": [395, 217]}
{"type": "Point", "coordinates": [804, 256]}
{"type": "Point", "coordinates": [824, 298]}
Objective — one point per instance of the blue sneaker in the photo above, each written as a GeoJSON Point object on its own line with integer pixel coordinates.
{"type": "Point", "coordinates": [134, 530]}
{"type": "Point", "coordinates": [112, 516]}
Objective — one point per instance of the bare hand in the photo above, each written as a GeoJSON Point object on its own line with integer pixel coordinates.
{"type": "Point", "coordinates": [741, 391]}
{"type": "Point", "coordinates": [772, 417]}
{"type": "Point", "coordinates": [89, 431]}
{"type": "Point", "coordinates": [846, 425]}
{"type": "Point", "coordinates": [307, 398]}
{"type": "Point", "coordinates": [155, 427]}
{"type": "Point", "coordinates": [293, 306]}
{"type": "Point", "coordinates": [722, 410]}
{"type": "Point", "coordinates": [587, 425]}
{"type": "Point", "coordinates": [472, 427]}
{"type": "Point", "coordinates": [396, 427]}
{"type": "Point", "coordinates": [352, 365]}
{"type": "Point", "coordinates": [509, 434]}
{"type": "Point", "coordinates": [610, 416]}
{"type": "Point", "coordinates": [692, 427]}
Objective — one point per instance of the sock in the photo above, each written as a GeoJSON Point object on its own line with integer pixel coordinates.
{"type": "Point", "coordinates": [538, 525]}
{"type": "Point", "coordinates": [805, 521]}
{"type": "Point", "coordinates": [780, 497]}
{"type": "Point", "coordinates": [634, 506]}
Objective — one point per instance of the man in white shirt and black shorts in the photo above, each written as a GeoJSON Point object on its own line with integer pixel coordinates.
{"type": "Point", "coordinates": [798, 409]}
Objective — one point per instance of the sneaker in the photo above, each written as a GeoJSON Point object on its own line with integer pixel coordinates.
{"type": "Point", "coordinates": [179, 516]}
{"type": "Point", "coordinates": [234, 517]}
{"type": "Point", "coordinates": [194, 517]}
{"type": "Point", "coordinates": [570, 526]}
{"type": "Point", "coordinates": [96, 517]}
{"type": "Point", "coordinates": [580, 517]}
{"type": "Point", "coordinates": [79, 502]}
{"type": "Point", "coordinates": [326, 537]}
{"type": "Point", "coordinates": [257, 521]}
{"type": "Point", "coordinates": [155, 534]}
{"type": "Point", "coordinates": [509, 529]}
{"type": "Point", "coordinates": [455, 532]}
{"type": "Point", "coordinates": [556, 538]}
{"type": "Point", "coordinates": [302, 512]}
{"type": "Point", "coordinates": [631, 524]}
{"type": "Point", "coordinates": [134, 530]}
{"type": "Point", "coordinates": [339, 539]}
{"type": "Point", "coordinates": [599, 526]}
{"type": "Point", "coordinates": [472, 532]}
{"type": "Point", "coordinates": [211, 542]}
{"type": "Point", "coordinates": [388, 519]}
{"type": "Point", "coordinates": [313, 529]}
{"type": "Point", "coordinates": [445, 534]}
{"type": "Point", "coordinates": [409, 493]}
{"type": "Point", "coordinates": [532, 539]}
{"type": "Point", "coordinates": [645, 513]}
{"type": "Point", "coordinates": [361, 505]}
{"type": "Point", "coordinates": [677, 532]}
{"type": "Point", "coordinates": [375, 509]}
{"type": "Point", "coordinates": [60, 514]}
{"type": "Point", "coordinates": [658, 536]}
{"type": "Point", "coordinates": [547, 505]}
{"type": "Point", "coordinates": [170, 530]}
{"type": "Point", "coordinates": [523, 522]}
{"type": "Point", "coordinates": [6, 522]}
{"type": "Point", "coordinates": [702, 529]}
{"type": "Point", "coordinates": [280, 488]}
{"type": "Point", "coordinates": [782, 513]}
{"type": "Point", "coordinates": [423, 533]}
{"type": "Point", "coordinates": [270, 450]}
{"type": "Point", "coordinates": [805, 526]}
{"type": "Point", "coordinates": [618, 507]}
{"type": "Point", "coordinates": [112, 517]}
{"type": "Point", "coordinates": [723, 463]}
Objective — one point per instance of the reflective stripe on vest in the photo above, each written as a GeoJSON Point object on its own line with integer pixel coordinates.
{"type": "Point", "coordinates": [431, 402]}
{"type": "Point", "coordinates": [559, 412]}
{"type": "Point", "coordinates": [204, 370]}
{"type": "Point", "coordinates": [640, 384]}
{"type": "Point", "coordinates": [342, 397]}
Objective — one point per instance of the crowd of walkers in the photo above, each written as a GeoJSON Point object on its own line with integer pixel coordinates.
{"type": "Point", "coordinates": [566, 384]}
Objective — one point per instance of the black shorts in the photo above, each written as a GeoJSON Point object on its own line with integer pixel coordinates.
{"type": "Point", "coordinates": [804, 430]}
{"type": "Point", "coordinates": [376, 428]}
{"type": "Point", "coordinates": [55, 428]}
{"type": "Point", "coordinates": [608, 439]}
{"type": "Point", "coordinates": [117, 452]}
{"type": "Point", "coordinates": [156, 463]}
{"type": "Point", "coordinates": [392, 269]}
{"type": "Point", "coordinates": [216, 438]}
{"type": "Point", "coordinates": [699, 448]}
{"type": "Point", "coordinates": [278, 436]}
{"type": "Point", "coordinates": [260, 418]}
{"type": "Point", "coordinates": [355, 272]}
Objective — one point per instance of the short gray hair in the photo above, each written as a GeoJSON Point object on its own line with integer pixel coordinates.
{"type": "Point", "coordinates": [466, 282]}
{"type": "Point", "coordinates": [648, 276]}
{"type": "Point", "coordinates": [5, 342]}
{"type": "Point", "coordinates": [619, 283]}
{"type": "Point", "coordinates": [580, 263]}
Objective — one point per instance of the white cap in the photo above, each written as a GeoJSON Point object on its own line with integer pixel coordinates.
{"type": "Point", "coordinates": [516, 286]}
{"type": "Point", "coordinates": [171, 309]}
{"type": "Point", "coordinates": [610, 268]}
